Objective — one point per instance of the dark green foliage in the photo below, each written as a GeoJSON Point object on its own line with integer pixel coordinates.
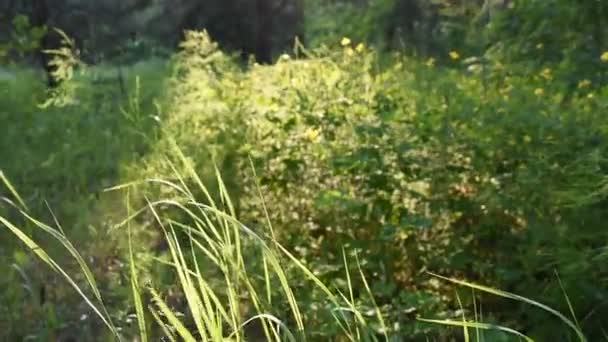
{"type": "Point", "coordinates": [24, 38]}
{"type": "Point", "coordinates": [117, 30]}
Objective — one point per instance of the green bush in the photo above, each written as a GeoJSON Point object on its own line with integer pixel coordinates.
{"type": "Point", "coordinates": [475, 171]}
{"type": "Point", "coordinates": [486, 168]}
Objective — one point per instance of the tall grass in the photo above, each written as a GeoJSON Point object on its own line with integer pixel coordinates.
{"type": "Point", "coordinates": [573, 325]}
{"type": "Point", "coordinates": [224, 299]}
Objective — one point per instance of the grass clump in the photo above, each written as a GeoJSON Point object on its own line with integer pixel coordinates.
{"type": "Point", "coordinates": [224, 297]}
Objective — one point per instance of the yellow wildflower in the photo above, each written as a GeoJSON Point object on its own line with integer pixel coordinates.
{"type": "Point", "coordinates": [505, 90]}
{"type": "Point", "coordinates": [604, 57]}
{"type": "Point", "coordinates": [527, 139]}
{"type": "Point", "coordinates": [584, 84]}
{"type": "Point", "coordinates": [546, 73]}
{"type": "Point", "coordinates": [430, 62]}
{"type": "Point", "coordinates": [350, 51]}
{"type": "Point", "coordinates": [360, 47]}
{"type": "Point", "coordinates": [345, 41]}
{"type": "Point", "coordinates": [539, 92]}
{"type": "Point", "coordinates": [454, 55]}
{"type": "Point", "coordinates": [313, 134]}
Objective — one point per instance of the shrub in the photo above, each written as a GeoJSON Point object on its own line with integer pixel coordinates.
{"type": "Point", "coordinates": [489, 174]}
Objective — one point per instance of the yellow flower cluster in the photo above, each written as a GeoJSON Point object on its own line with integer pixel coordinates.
{"type": "Point", "coordinates": [604, 57]}
{"type": "Point", "coordinates": [454, 55]}
{"type": "Point", "coordinates": [313, 135]}
{"type": "Point", "coordinates": [347, 44]}
{"type": "Point", "coordinates": [547, 74]}
{"type": "Point", "coordinates": [584, 84]}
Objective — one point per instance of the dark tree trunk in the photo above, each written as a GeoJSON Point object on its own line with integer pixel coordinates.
{"type": "Point", "coordinates": [298, 19]}
{"type": "Point", "coordinates": [263, 30]}
{"type": "Point", "coordinates": [40, 17]}
{"type": "Point", "coordinates": [405, 15]}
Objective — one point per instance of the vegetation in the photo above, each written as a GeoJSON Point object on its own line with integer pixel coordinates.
{"type": "Point", "coordinates": [440, 176]}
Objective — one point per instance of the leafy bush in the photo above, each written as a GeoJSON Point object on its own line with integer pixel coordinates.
{"type": "Point", "coordinates": [483, 167]}
{"type": "Point", "coordinates": [485, 174]}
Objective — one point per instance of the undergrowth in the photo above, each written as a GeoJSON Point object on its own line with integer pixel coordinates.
{"type": "Point", "coordinates": [353, 175]}
{"type": "Point", "coordinates": [226, 298]}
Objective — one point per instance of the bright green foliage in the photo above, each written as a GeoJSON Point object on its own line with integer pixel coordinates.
{"type": "Point", "coordinates": [487, 166]}
{"type": "Point", "coordinates": [471, 169]}
{"type": "Point", "coordinates": [234, 308]}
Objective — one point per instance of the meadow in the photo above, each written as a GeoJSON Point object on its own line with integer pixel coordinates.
{"type": "Point", "coordinates": [342, 193]}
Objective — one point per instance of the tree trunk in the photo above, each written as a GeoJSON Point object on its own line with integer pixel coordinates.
{"type": "Point", "coordinates": [263, 30]}
{"type": "Point", "coordinates": [40, 17]}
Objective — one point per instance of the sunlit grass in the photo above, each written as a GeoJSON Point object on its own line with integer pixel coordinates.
{"type": "Point", "coordinates": [216, 311]}
{"type": "Point", "coordinates": [215, 245]}
{"type": "Point", "coordinates": [496, 292]}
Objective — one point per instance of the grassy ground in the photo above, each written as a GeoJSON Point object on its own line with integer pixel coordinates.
{"type": "Point", "coordinates": [61, 158]}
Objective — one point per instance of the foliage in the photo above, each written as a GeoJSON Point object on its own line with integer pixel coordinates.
{"type": "Point", "coordinates": [24, 38]}
{"type": "Point", "coordinates": [62, 157]}
{"type": "Point", "coordinates": [218, 245]}
{"type": "Point", "coordinates": [570, 36]}
{"type": "Point", "coordinates": [484, 162]}
{"type": "Point", "coordinates": [418, 27]}
{"type": "Point", "coordinates": [414, 167]}
{"type": "Point", "coordinates": [219, 313]}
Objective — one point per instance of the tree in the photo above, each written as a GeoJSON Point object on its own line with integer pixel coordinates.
{"type": "Point", "coordinates": [266, 34]}
{"type": "Point", "coordinates": [263, 30]}
{"type": "Point", "coordinates": [40, 17]}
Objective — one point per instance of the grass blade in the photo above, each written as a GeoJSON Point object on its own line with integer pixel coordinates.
{"type": "Point", "coordinates": [139, 308]}
{"type": "Point", "coordinates": [513, 296]}
{"type": "Point", "coordinates": [476, 325]}
{"type": "Point", "coordinates": [173, 320]}
{"type": "Point", "coordinates": [12, 190]}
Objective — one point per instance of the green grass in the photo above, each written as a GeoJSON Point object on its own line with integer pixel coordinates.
{"type": "Point", "coordinates": [216, 245]}
{"type": "Point", "coordinates": [62, 157]}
